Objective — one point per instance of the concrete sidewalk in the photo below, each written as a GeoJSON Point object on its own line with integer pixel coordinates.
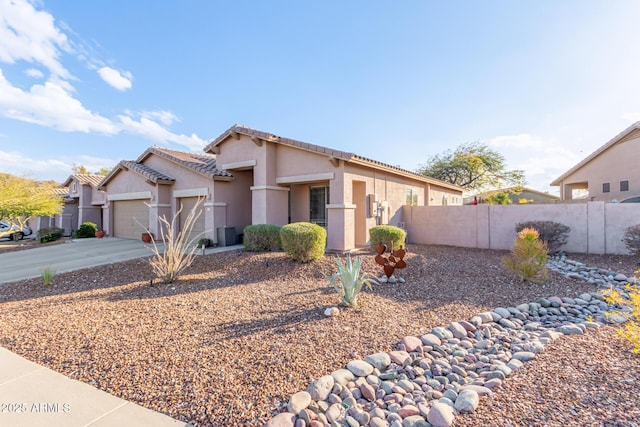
{"type": "Point", "coordinates": [74, 255]}
{"type": "Point", "coordinates": [34, 396]}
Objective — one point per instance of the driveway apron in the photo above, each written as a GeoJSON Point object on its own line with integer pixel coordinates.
{"type": "Point", "coordinates": [73, 255]}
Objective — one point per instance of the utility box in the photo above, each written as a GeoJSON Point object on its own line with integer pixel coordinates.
{"type": "Point", "coordinates": [226, 236]}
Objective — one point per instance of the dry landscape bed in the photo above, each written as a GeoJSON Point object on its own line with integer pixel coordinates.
{"type": "Point", "coordinates": [241, 332]}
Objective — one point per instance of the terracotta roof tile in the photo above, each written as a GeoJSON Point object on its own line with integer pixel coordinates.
{"type": "Point", "coordinates": [204, 164]}
{"type": "Point", "coordinates": [89, 179]}
{"type": "Point", "coordinates": [147, 172]}
{"type": "Point", "coordinates": [60, 191]}
{"type": "Point", "coordinates": [343, 155]}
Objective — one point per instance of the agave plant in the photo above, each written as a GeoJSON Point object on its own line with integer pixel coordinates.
{"type": "Point", "coordinates": [348, 281]}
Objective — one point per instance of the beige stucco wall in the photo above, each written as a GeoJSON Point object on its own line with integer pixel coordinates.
{"type": "Point", "coordinates": [596, 227]}
{"type": "Point", "coordinates": [282, 176]}
{"type": "Point", "coordinates": [232, 203]}
{"type": "Point", "coordinates": [618, 163]}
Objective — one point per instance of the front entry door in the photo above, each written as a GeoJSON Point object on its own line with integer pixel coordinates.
{"type": "Point", "coordinates": [318, 205]}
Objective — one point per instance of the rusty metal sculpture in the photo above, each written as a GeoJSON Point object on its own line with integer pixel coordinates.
{"type": "Point", "coordinates": [394, 260]}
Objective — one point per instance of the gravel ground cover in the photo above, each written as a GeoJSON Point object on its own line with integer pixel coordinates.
{"type": "Point", "coordinates": [229, 342]}
{"type": "Point", "coordinates": [26, 243]}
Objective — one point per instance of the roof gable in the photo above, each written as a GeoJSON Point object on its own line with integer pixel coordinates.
{"type": "Point", "coordinates": [204, 164]}
{"type": "Point", "coordinates": [631, 132]}
{"type": "Point", "coordinates": [333, 154]}
{"type": "Point", "coordinates": [149, 174]}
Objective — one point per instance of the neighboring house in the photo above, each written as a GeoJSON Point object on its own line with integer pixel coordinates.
{"type": "Point", "coordinates": [161, 181]}
{"type": "Point", "coordinates": [286, 181]}
{"type": "Point", "coordinates": [87, 202]}
{"type": "Point", "coordinates": [69, 211]}
{"type": "Point", "coordinates": [517, 195]}
{"type": "Point", "coordinates": [608, 174]}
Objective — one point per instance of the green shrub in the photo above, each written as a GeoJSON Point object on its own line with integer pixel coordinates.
{"type": "Point", "coordinates": [348, 281]}
{"type": "Point", "coordinates": [261, 237]}
{"type": "Point", "coordinates": [204, 243]}
{"type": "Point", "coordinates": [50, 237]}
{"type": "Point", "coordinates": [632, 239]}
{"type": "Point", "coordinates": [554, 234]}
{"type": "Point", "coordinates": [303, 241]}
{"type": "Point", "coordinates": [528, 257]}
{"type": "Point", "coordinates": [87, 229]}
{"type": "Point", "coordinates": [389, 235]}
{"type": "Point", "coordinates": [47, 275]}
{"type": "Point", "coordinates": [44, 231]}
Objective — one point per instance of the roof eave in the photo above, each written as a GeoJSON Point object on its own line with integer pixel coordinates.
{"type": "Point", "coordinates": [600, 150]}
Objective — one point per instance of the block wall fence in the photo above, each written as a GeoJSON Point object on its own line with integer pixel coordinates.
{"type": "Point", "coordinates": [596, 227]}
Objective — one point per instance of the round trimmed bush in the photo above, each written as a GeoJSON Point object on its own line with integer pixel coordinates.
{"type": "Point", "coordinates": [261, 237]}
{"type": "Point", "coordinates": [87, 229]}
{"type": "Point", "coordinates": [303, 241]}
{"type": "Point", "coordinates": [393, 237]}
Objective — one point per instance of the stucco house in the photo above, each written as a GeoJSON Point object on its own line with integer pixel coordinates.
{"type": "Point", "coordinates": [608, 174]}
{"type": "Point", "coordinates": [86, 201]}
{"type": "Point", "coordinates": [159, 182]}
{"type": "Point", "coordinates": [285, 180]}
{"type": "Point", "coordinates": [67, 215]}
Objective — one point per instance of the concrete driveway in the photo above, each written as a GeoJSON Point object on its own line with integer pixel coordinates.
{"type": "Point", "coordinates": [73, 255]}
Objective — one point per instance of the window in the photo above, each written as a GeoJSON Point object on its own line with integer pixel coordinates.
{"type": "Point", "coordinates": [411, 197]}
{"type": "Point", "coordinates": [606, 187]}
{"type": "Point", "coordinates": [319, 198]}
{"type": "Point", "coordinates": [624, 185]}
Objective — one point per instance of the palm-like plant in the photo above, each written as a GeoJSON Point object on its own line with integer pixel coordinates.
{"type": "Point", "coordinates": [348, 281]}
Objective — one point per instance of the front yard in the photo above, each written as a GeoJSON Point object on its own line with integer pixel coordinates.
{"type": "Point", "coordinates": [241, 332]}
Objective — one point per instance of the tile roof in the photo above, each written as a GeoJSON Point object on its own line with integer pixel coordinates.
{"type": "Point", "coordinates": [60, 191]}
{"type": "Point", "coordinates": [85, 179]}
{"type": "Point", "coordinates": [151, 174]}
{"type": "Point", "coordinates": [330, 152]}
{"type": "Point", "coordinates": [204, 164]}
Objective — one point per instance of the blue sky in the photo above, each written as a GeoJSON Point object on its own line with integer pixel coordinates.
{"type": "Point", "coordinates": [93, 82]}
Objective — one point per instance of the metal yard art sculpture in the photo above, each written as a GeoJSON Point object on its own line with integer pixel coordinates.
{"type": "Point", "coordinates": [389, 263]}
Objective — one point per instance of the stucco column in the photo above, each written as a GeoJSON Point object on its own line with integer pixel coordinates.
{"type": "Point", "coordinates": [341, 227]}
{"type": "Point", "coordinates": [106, 219]}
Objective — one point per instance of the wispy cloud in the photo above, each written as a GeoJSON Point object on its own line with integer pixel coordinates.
{"type": "Point", "coordinates": [116, 79]}
{"type": "Point", "coordinates": [153, 131]}
{"type": "Point", "coordinates": [32, 36]}
{"type": "Point", "coordinates": [35, 73]}
{"type": "Point", "coordinates": [51, 105]}
{"type": "Point", "coordinates": [543, 159]}
{"type": "Point", "coordinates": [165, 117]}
{"type": "Point", "coordinates": [58, 168]}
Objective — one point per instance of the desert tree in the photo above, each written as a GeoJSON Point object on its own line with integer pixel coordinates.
{"type": "Point", "coordinates": [474, 167]}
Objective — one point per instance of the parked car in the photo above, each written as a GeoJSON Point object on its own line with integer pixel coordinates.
{"type": "Point", "coordinates": [27, 231]}
{"type": "Point", "coordinates": [8, 231]}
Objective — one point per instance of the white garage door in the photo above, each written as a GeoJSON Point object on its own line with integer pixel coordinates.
{"type": "Point", "coordinates": [188, 203]}
{"type": "Point", "coordinates": [127, 217]}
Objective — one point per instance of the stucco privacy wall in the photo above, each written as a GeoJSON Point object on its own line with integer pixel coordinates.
{"type": "Point", "coordinates": [596, 227]}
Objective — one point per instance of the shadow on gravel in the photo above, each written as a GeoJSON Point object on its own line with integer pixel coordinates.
{"type": "Point", "coordinates": [284, 321]}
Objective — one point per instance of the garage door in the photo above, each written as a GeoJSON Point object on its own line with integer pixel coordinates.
{"type": "Point", "coordinates": [127, 217]}
{"type": "Point", "coordinates": [188, 203]}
